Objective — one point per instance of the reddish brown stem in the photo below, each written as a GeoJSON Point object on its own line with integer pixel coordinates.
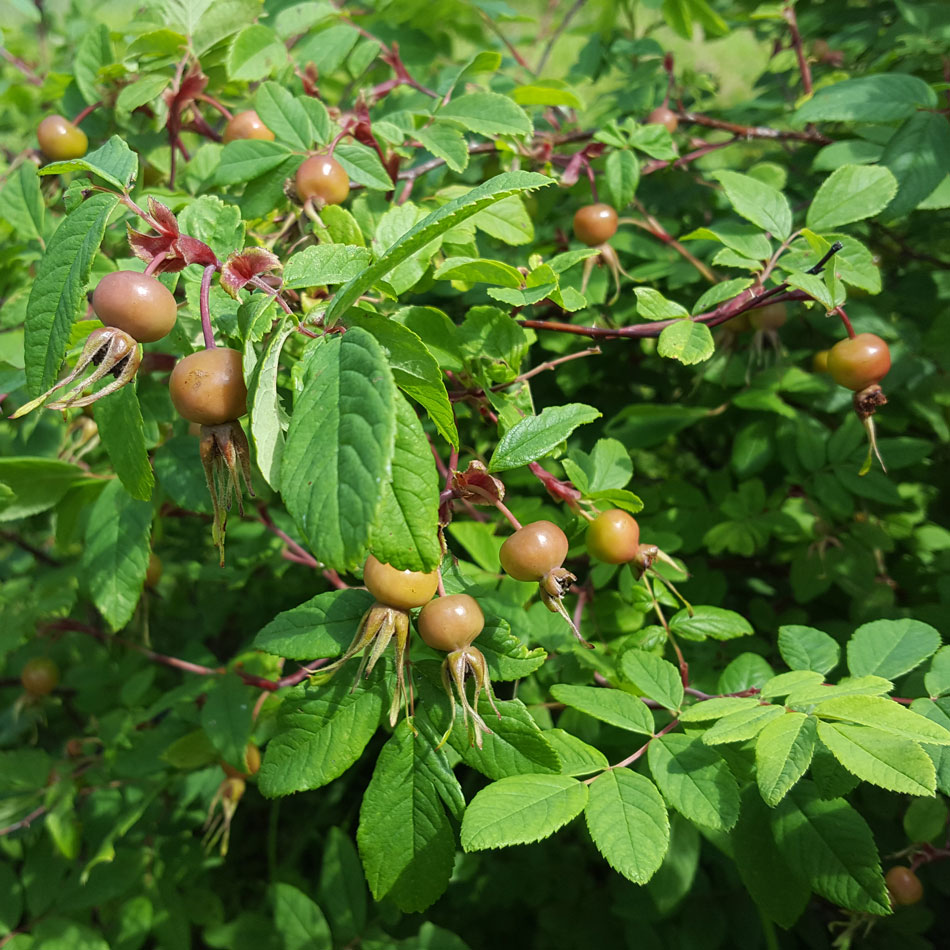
{"type": "Point", "coordinates": [755, 131]}
{"type": "Point", "coordinates": [845, 321]}
{"type": "Point", "coordinates": [89, 109]}
{"type": "Point", "coordinates": [788, 12]}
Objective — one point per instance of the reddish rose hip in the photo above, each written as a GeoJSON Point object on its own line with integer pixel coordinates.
{"type": "Point", "coordinates": [208, 387]}
{"type": "Point", "coordinates": [60, 140]}
{"type": "Point", "coordinates": [857, 362]}
{"type": "Point", "coordinates": [614, 537]}
{"type": "Point", "coordinates": [450, 623]}
{"type": "Point", "coordinates": [322, 179]}
{"type": "Point", "coordinates": [662, 115]}
{"type": "Point", "coordinates": [401, 589]}
{"type": "Point", "coordinates": [903, 885]}
{"type": "Point", "coordinates": [40, 676]}
{"type": "Point", "coordinates": [140, 305]}
{"type": "Point", "coordinates": [533, 551]}
{"type": "Point", "coordinates": [247, 125]}
{"type": "Point", "coordinates": [595, 224]}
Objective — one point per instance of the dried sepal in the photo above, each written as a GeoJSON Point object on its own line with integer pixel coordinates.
{"type": "Point", "coordinates": [217, 826]}
{"type": "Point", "coordinates": [107, 349]}
{"type": "Point", "coordinates": [866, 402]}
{"type": "Point", "coordinates": [226, 458]}
{"type": "Point", "coordinates": [455, 669]}
{"type": "Point", "coordinates": [476, 486]}
{"type": "Point", "coordinates": [552, 588]}
{"type": "Point", "coordinates": [378, 627]}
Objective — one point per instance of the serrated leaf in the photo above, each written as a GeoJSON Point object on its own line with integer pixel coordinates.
{"type": "Point", "coordinates": [783, 752]}
{"type": "Point", "coordinates": [849, 686]}
{"type": "Point", "coordinates": [115, 555]}
{"type": "Point", "coordinates": [298, 920]}
{"type": "Point", "coordinates": [937, 679]}
{"type": "Point", "coordinates": [342, 887]}
{"type": "Point", "coordinates": [706, 621]}
{"type": "Point", "coordinates": [254, 53]}
{"type": "Point", "coordinates": [265, 408]}
{"type": "Point", "coordinates": [805, 648]}
{"type": "Point", "coordinates": [814, 286]}
{"type": "Point", "coordinates": [695, 780]}
{"type": "Point", "coordinates": [140, 92]}
{"type": "Point", "coordinates": [652, 305]}
{"type": "Point", "coordinates": [506, 220]}
{"type": "Point", "coordinates": [246, 159]}
{"type": "Point", "coordinates": [339, 447]}
{"type": "Point", "coordinates": [321, 733]}
{"type": "Point", "coordinates": [521, 809]}
{"type": "Point", "coordinates": [122, 431]}
{"type": "Point", "coordinates": [325, 264]}
{"type": "Point", "coordinates": [405, 840]}
{"type": "Point", "coordinates": [686, 341]}
{"type": "Point", "coordinates": [717, 707]}
{"type": "Point", "coordinates": [321, 627]}
{"type": "Point", "coordinates": [757, 202]}
{"type": "Point", "coordinates": [404, 533]}
{"type": "Point", "coordinates": [851, 193]}
{"type": "Point", "coordinates": [363, 166]}
{"type": "Point", "coordinates": [622, 175]}
{"type": "Point", "coordinates": [741, 725]}
{"type": "Point", "coordinates": [475, 270]}
{"type": "Point", "coordinates": [284, 115]}
{"type": "Point", "coordinates": [93, 52]}
{"type": "Point", "coordinates": [431, 227]}
{"type": "Point", "coordinates": [654, 677]}
{"type": "Point", "coordinates": [891, 648]}
{"type": "Point", "coordinates": [415, 370]}
{"type": "Point", "coordinates": [507, 657]}
{"type": "Point", "coordinates": [58, 292]}
{"type": "Point", "coordinates": [883, 714]}
{"type": "Point", "coordinates": [447, 142]}
{"type": "Point", "coordinates": [881, 98]}
{"type": "Point", "coordinates": [537, 436]}
{"type": "Point", "coordinates": [609, 705]}
{"type": "Point", "coordinates": [577, 757]}
{"type": "Point", "coordinates": [880, 758]}
{"type": "Point", "coordinates": [487, 113]}
{"type": "Point", "coordinates": [785, 683]}
{"type": "Point", "coordinates": [114, 162]}
{"type": "Point", "coordinates": [21, 202]}
{"type": "Point", "coordinates": [628, 822]}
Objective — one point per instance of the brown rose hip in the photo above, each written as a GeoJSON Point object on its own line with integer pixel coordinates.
{"type": "Point", "coordinates": [208, 387]}
{"type": "Point", "coordinates": [140, 305]}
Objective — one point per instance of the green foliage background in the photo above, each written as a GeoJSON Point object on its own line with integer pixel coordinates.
{"type": "Point", "coordinates": [710, 819]}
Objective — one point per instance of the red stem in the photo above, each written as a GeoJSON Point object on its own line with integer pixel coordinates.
{"type": "Point", "coordinates": [789, 14]}
{"type": "Point", "coordinates": [82, 115]}
{"type": "Point", "coordinates": [845, 321]}
{"type": "Point", "coordinates": [206, 329]}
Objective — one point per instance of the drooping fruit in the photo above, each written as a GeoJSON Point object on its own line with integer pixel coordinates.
{"type": "Point", "coordinates": [595, 224]}
{"type": "Point", "coordinates": [140, 305]}
{"type": "Point", "coordinates": [401, 589]}
{"type": "Point", "coordinates": [322, 179]}
{"type": "Point", "coordinates": [859, 361]}
{"type": "Point", "coordinates": [60, 140]}
{"type": "Point", "coordinates": [450, 623]}
{"type": "Point", "coordinates": [247, 125]}
{"type": "Point", "coordinates": [208, 386]}
{"type": "Point", "coordinates": [533, 551]}
{"type": "Point", "coordinates": [614, 537]}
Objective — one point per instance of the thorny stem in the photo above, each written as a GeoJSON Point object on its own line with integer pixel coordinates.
{"type": "Point", "coordinates": [206, 329]}
{"type": "Point", "coordinates": [788, 12]}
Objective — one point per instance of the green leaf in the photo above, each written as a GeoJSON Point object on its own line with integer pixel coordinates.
{"type": "Point", "coordinates": [265, 409]}
{"type": "Point", "coordinates": [321, 733]}
{"type": "Point", "coordinates": [786, 683]}
{"type": "Point", "coordinates": [520, 810]}
{"type": "Point", "coordinates": [937, 679]}
{"type": "Point", "coordinates": [852, 193]}
{"type": "Point", "coordinates": [122, 431]}
{"type": "Point", "coordinates": [537, 436]}
{"type": "Point", "coordinates": [577, 757]}
{"type": "Point", "coordinates": [507, 657]}
{"type": "Point", "coordinates": [918, 154]}
{"type": "Point", "coordinates": [93, 52]}
{"type": "Point", "coordinates": [339, 447]}
{"type": "Point", "coordinates": [298, 920]}
{"type": "Point", "coordinates": [783, 752]}
{"type": "Point", "coordinates": [715, 622]}
{"type": "Point", "coordinates": [717, 707]}
{"type": "Point", "coordinates": [436, 224]}
{"type": "Point", "coordinates": [405, 839]}
{"type": "Point", "coordinates": [654, 677]}
{"type": "Point", "coordinates": [363, 166]}
{"type": "Point", "coordinates": [622, 175]}
{"type": "Point", "coordinates": [36, 485]}
{"type": "Point", "coordinates": [21, 202]}
{"type": "Point", "coordinates": [781, 894]}
{"type": "Point", "coordinates": [741, 725]}
{"type": "Point", "coordinates": [849, 686]}
{"type": "Point", "coordinates": [880, 757]}
{"type": "Point", "coordinates": [652, 305]}
{"type": "Point", "coordinates": [254, 53]}
{"type": "Point", "coordinates": [814, 286]}
{"type": "Point", "coordinates": [248, 158]}
{"type": "Point", "coordinates": [227, 718]}
{"type": "Point", "coordinates": [475, 270]}
{"type": "Point", "coordinates": [445, 141]}
{"type": "Point", "coordinates": [284, 115]}
{"type": "Point", "coordinates": [114, 162]}
{"type": "Point", "coordinates": [805, 648]}
{"type": "Point", "coordinates": [757, 202]}
{"type": "Point", "coordinates": [321, 627]}
{"type": "Point", "coordinates": [882, 98]}
{"type": "Point", "coordinates": [506, 220]}
{"type": "Point", "coordinates": [891, 648]}
{"type": "Point", "coordinates": [115, 556]}
{"type": "Point", "coordinates": [405, 531]}
{"type": "Point", "coordinates": [487, 113]}
{"type": "Point", "coordinates": [415, 370]}
{"type": "Point", "coordinates": [686, 341]}
{"type": "Point", "coordinates": [829, 844]}
{"type": "Point", "coordinates": [325, 264]}
{"type": "Point", "coordinates": [695, 780]}
{"type": "Point", "coordinates": [609, 705]}
{"type": "Point", "coordinates": [546, 92]}
{"type": "Point", "coordinates": [883, 714]}
{"type": "Point", "coordinates": [140, 92]}
{"type": "Point", "coordinates": [58, 292]}
{"type": "Point", "coordinates": [628, 822]}
{"type": "Point", "coordinates": [342, 887]}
